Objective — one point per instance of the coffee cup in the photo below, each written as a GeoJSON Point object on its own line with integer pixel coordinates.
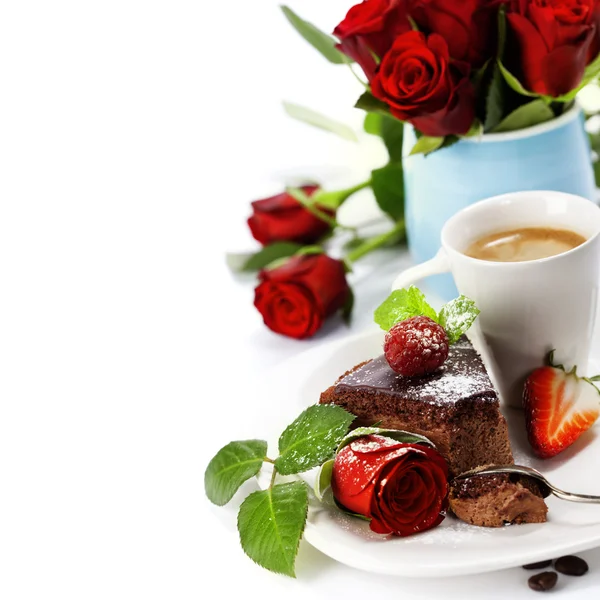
{"type": "Point", "coordinates": [528, 307]}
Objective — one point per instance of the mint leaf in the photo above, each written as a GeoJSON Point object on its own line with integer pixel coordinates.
{"type": "Point", "coordinates": [312, 438]}
{"type": "Point", "coordinates": [231, 466]}
{"type": "Point", "coordinates": [457, 316]}
{"type": "Point", "coordinates": [323, 480]}
{"type": "Point", "coordinates": [405, 437]}
{"type": "Point", "coordinates": [259, 260]}
{"type": "Point", "coordinates": [320, 41]}
{"type": "Point", "coordinates": [312, 117]}
{"type": "Point", "coordinates": [388, 187]}
{"type": "Point", "coordinates": [401, 305]}
{"type": "Point", "coordinates": [271, 523]}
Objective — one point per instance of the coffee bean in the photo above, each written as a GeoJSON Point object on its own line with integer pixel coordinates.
{"type": "Point", "coordinates": [542, 582]}
{"type": "Point", "coordinates": [538, 565]}
{"type": "Point", "coordinates": [571, 565]}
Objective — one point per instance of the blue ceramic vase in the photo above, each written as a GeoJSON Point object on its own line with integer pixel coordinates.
{"type": "Point", "coordinates": [554, 155]}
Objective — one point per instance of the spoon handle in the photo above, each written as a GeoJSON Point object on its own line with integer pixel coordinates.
{"type": "Point", "coordinates": [585, 498]}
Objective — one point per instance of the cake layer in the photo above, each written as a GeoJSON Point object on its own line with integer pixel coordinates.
{"type": "Point", "coordinates": [456, 407]}
{"type": "Point", "coordinates": [497, 500]}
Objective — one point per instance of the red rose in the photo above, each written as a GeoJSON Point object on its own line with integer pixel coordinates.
{"type": "Point", "coordinates": [553, 40]}
{"type": "Point", "coordinates": [283, 218]}
{"type": "Point", "coordinates": [402, 488]}
{"type": "Point", "coordinates": [422, 85]}
{"type": "Point", "coordinates": [296, 298]}
{"type": "Point", "coordinates": [468, 26]}
{"type": "Point", "coordinates": [371, 27]}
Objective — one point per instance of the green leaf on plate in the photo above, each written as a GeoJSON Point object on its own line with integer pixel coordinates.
{"type": "Point", "coordinates": [311, 117]}
{"type": "Point", "coordinates": [319, 40]}
{"type": "Point", "coordinates": [323, 480]}
{"type": "Point", "coordinates": [256, 261]}
{"type": "Point", "coordinates": [527, 115]}
{"type": "Point", "coordinates": [271, 523]}
{"type": "Point", "coordinates": [514, 83]}
{"type": "Point", "coordinates": [312, 438]}
{"type": "Point", "coordinates": [494, 101]}
{"type": "Point", "coordinates": [404, 437]}
{"type": "Point", "coordinates": [427, 144]}
{"type": "Point", "coordinates": [457, 316]}
{"type": "Point", "coordinates": [388, 187]}
{"type": "Point", "coordinates": [401, 305]}
{"type": "Point", "coordinates": [369, 103]}
{"type": "Point", "coordinates": [231, 466]}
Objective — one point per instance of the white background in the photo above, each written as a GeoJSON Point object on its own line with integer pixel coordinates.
{"type": "Point", "coordinates": [132, 137]}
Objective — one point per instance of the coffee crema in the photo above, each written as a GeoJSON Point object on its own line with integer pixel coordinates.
{"type": "Point", "coordinates": [528, 243]}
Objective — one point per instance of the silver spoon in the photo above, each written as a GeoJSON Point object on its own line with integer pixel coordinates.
{"type": "Point", "coordinates": [546, 487]}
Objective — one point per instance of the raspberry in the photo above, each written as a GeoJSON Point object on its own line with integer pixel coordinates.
{"type": "Point", "coordinates": [416, 346]}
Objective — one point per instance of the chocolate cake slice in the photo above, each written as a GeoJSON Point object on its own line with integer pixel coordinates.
{"type": "Point", "coordinates": [456, 407]}
{"type": "Point", "coordinates": [497, 500]}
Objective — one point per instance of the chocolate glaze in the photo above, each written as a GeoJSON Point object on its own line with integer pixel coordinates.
{"type": "Point", "coordinates": [461, 378]}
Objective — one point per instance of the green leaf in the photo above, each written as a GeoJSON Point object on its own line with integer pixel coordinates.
{"type": "Point", "coordinates": [595, 142]}
{"type": "Point", "coordinates": [404, 437]}
{"type": "Point", "coordinates": [596, 167]}
{"type": "Point", "coordinates": [265, 256]}
{"type": "Point", "coordinates": [390, 129]}
{"type": "Point", "coordinates": [306, 250]}
{"type": "Point", "coordinates": [348, 306]}
{"type": "Point", "coordinates": [271, 523]}
{"type": "Point", "coordinates": [336, 198]}
{"type": "Point", "coordinates": [514, 83]}
{"type": "Point", "coordinates": [320, 41]}
{"type": "Point", "coordinates": [388, 187]}
{"type": "Point", "coordinates": [307, 115]}
{"type": "Point", "coordinates": [231, 466]}
{"type": "Point", "coordinates": [323, 480]}
{"type": "Point", "coordinates": [476, 130]}
{"type": "Point", "coordinates": [457, 316]}
{"type": "Point", "coordinates": [312, 438]}
{"type": "Point", "coordinates": [369, 103]}
{"type": "Point", "coordinates": [372, 123]}
{"type": "Point", "coordinates": [494, 101]}
{"type": "Point", "coordinates": [401, 305]}
{"type": "Point", "coordinates": [427, 144]}
{"type": "Point", "coordinates": [392, 132]}
{"type": "Point", "coordinates": [527, 115]}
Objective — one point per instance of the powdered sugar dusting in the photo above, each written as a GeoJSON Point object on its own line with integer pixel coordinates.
{"type": "Point", "coordinates": [462, 377]}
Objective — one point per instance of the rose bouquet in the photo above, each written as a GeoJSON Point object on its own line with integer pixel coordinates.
{"type": "Point", "coordinates": [449, 69]}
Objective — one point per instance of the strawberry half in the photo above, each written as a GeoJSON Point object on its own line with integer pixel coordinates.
{"type": "Point", "coordinates": [559, 407]}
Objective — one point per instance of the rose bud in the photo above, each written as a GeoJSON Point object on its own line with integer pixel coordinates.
{"type": "Point", "coordinates": [296, 298]}
{"type": "Point", "coordinates": [422, 85]}
{"type": "Point", "coordinates": [402, 488]}
{"type": "Point", "coordinates": [371, 28]}
{"type": "Point", "coordinates": [283, 218]}
{"type": "Point", "coordinates": [549, 43]}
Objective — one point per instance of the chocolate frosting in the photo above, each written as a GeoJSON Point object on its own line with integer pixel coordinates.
{"type": "Point", "coordinates": [462, 377]}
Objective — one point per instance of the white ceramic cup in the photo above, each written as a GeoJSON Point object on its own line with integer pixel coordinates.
{"type": "Point", "coordinates": [527, 308]}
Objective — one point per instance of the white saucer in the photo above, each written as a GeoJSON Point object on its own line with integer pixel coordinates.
{"type": "Point", "coordinates": [453, 548]}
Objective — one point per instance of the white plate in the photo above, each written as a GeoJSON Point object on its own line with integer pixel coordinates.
{"type": "Point", "coordinates": [453, 548]}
